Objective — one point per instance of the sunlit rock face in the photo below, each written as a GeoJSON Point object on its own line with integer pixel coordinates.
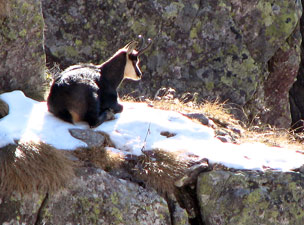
{"type": "Point", "coordinates": [22, 56]}
{"type": "Point", "coordinates": [93, 197]}
{"type": "Point", "coordinates": [243, 52]}
{"type": "Point", "coordinates": [246, 197]}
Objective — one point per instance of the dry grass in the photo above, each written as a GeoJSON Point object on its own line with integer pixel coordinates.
{"type": "Point", "coordinates": [274, 137]}
{"type": "Point", "coordinates": [31, 167]}
{"type": "Point", "coordinates": [100, 156]}
{"type": "Point", "coordinates": [160, 170]}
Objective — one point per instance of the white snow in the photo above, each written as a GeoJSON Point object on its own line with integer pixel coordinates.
{"type": "Point", "coordinates": [139, 127]}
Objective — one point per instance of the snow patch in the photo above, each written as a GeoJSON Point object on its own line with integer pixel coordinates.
{"type": "Point", "coordinates": [141, 127]}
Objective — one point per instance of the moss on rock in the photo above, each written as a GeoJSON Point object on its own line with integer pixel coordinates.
{"type": "Point", "coordinates": [22, 62]}
{"type": "Point", "coordinates": [246, 197]}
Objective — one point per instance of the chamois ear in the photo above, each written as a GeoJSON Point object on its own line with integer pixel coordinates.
{"type": "Point", "coordinates": [131, 46]}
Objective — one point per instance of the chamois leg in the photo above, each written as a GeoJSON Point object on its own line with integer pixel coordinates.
{"type": "Point", "coordinates": [109, 101]}
{"type": "Point", "coordinates": [104, 116]}
{"type": "Point", "coordinates": [93, 111]}
{"type": "Point", "coordinates": [64, 115]}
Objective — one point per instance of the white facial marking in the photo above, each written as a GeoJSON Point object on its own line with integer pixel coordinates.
{"type": "Point", "coordinates": [130, 71]}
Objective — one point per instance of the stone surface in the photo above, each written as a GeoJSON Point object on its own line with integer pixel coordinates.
{"type": "Point", "coordinates": [22, 57]}
{"type": "Point", "coordinates": [226, 49]}
{"type": "Point", "coordinates": [90, 137]}
{"type": "Point", "coordinates": [297, 91]}
{"type": "Point", "coordinates": [4, 108]}
{"type": "Point", "coordinates": [283, 69]}
{"type": "Point", "coordinates": [94, 197]}
{"type": "Point", "coordinates": [19, 209]}
{"type": "Point", "coordinates": [98, 198]}
{"type": "Point", "coordinates": [248, 197]}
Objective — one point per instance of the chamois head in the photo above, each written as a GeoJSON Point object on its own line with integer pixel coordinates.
{"type": "Point", "coordinates": [132, 70]}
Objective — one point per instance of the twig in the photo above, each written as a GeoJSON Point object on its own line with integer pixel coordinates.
{"type": "Point", "coordinates": [145, 141]}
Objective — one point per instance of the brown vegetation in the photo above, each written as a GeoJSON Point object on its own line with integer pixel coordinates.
{"type": "Point", "coordinates": [31, 167]}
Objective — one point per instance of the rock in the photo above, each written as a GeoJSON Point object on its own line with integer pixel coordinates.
{"type": "Point", "coordinates": [297, 92]}
{"type": "Point", "coordinates": [201, 118]}
{"type": "Point", "coordinates": [90, 137]}
{"type": "Point", "coordinates": [4, 108]}
{"type": "Point", "coordinates": [248, 197]}
{"type": "Point", "coordinates": [180, 216]}
{"type": "Point", "coordinates": [97, 198]}
{"type": "Point", "coordinates": [19, 209]}
{"type": "Point", "coordinates": [22, 57]}
{"type": "Point", "coordinates": [207, 48]}
{"type": "Point", "coordinates": [285, 61]}
{"type": "Point", "coordinates": [93, 197]}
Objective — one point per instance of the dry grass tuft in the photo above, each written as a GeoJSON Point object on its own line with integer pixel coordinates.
{"type": "Point", "coordinates": [31, 167]}
{"type": "Point", "coordinates": [272, 137]}
{"type": "Point", "coordinates": [101, 156]}
{"type": "Point", "coordinates": [218, 112]}
{"type": "Point", "coordinates": [160, 169]}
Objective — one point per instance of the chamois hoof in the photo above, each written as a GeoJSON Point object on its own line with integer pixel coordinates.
{"type": "Point", "coordinates": [110, 115]}
{"type": "Point", "coordinates": [105, 116]}
{"type": "Point", "coordinates": [117, 108]}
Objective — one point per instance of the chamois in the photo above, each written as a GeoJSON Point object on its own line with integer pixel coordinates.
{"type": "Point", "coordinates": [88, 92]}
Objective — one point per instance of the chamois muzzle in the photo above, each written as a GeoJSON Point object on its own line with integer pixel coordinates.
{"type": "Point", "coordinates": [142, 49]}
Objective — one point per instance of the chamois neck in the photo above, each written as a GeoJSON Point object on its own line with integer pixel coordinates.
{"type": "Point", "coordinates": [113, 69]}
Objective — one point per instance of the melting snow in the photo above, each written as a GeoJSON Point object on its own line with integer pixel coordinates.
{"type": "Point", "coordinates": [141, 126]}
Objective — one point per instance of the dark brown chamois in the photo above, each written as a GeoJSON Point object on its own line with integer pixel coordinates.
{"type": "Point", "coordinates": [88, 92]}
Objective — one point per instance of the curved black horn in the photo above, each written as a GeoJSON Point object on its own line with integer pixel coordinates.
{"type": "Point", "coordinates": [142, 48]}
{"type": "Point", "coordinates": [142, 41]}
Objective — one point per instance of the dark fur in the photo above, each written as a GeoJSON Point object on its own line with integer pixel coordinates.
{"type": "Point", "coordinates": [89, 91]}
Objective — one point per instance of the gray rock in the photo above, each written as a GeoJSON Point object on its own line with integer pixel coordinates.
{"type": "Point", "coordinates": [4, 108]}
{"type": "Point", "coordinates": [90, 137]}
{"type": "Point", "coordinates": [98, 198]}
{"type": "Point", "coordinates": [22, 57]}
{"type": "Point", "coordinates": [248, 197]}
{"type": "Point", "coordinates": [93, 197]}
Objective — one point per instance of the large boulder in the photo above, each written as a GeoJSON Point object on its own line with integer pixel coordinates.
{"type": "Point", "coordinates": [244, 52]}
{"type": "Point", "coordinates": [22, 57]}
{"type": "Point", "coordinates": [297, 92]}
{"type": "Point", "coordinates": [248, 197]}
{"type": "Point", "coordinates": [93, 197]}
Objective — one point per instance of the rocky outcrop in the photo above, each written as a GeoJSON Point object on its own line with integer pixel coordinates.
{"type": "Point", "coordinates": [297, 92]}
{"type": "Point", "coordinates": [22, 56]}
{"type": "Point", "coordinates": [283, 69]}
{"type": "Point", "coordinates": [243, 52]}
{"type": "Point", "coordinates": [224, 197]}
{"type": "Point", "coordinates": [93, 197]}
{"type": "Point", "coordinates": [248, 197]}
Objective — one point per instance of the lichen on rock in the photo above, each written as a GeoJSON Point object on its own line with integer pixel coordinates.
{"type": "Point", "coordinates": [22, 56]}
{"type": "Point", "coordinates": [248, 197]}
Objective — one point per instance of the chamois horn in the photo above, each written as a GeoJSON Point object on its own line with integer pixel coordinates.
{"type": "Point", "coordinates": [142, 49]}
